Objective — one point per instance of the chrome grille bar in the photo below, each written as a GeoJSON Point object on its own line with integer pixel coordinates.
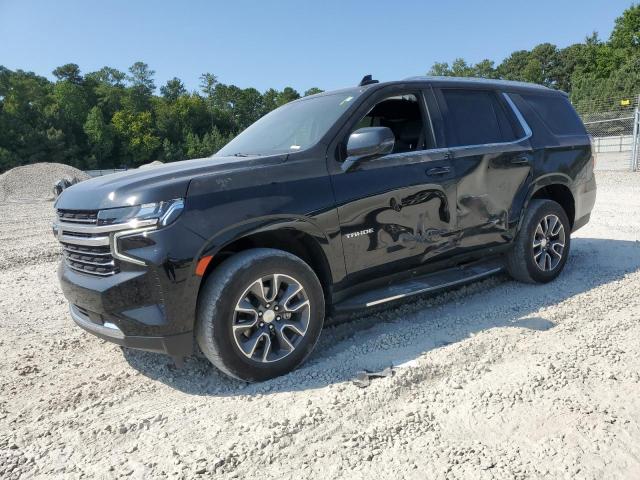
{"type": "Point", "coordinates": [95, 229]}
{"type": "Point", "coordinates": [83, 252]}
{"type": "Point", "coordinates": [108, 263]}
{"type": "Point", "coordinates": [101, 274]}
{"type": "Point", "coordinates": [87, 241]}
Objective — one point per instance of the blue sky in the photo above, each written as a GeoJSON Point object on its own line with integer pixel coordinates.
{"type": "Point", "coordinates": [329, 43]}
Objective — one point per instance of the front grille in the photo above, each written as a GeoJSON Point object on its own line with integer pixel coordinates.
{"type": "Point", "coordinates": [79, 216]}
{"type": "Point", "coordinates": [92, 260]}
{"type": "Point", "coordinates": [84, 245]}
{"type": "Point", "coordinates": [87, 244]}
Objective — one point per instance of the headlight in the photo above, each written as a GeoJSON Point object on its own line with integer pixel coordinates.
{"type": "Point", "coordinates": [158, 213]}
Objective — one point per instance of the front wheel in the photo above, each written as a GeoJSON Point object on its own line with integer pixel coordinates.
{"type": "Point", "coordinates": [260, 313]}
{"type": "Point", "coordinates": [541, 249]}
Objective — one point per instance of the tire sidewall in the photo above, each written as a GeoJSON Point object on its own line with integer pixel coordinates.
{"type": "Point", "coordinates": [223, 315]}
{"type": "Point", "coordinates": [544, 208]}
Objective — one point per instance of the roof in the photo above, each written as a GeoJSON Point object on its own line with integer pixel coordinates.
{"type": "Point", "coordinates": [469, 81]}
{"type": "Point", "coordinates": [453, 81]}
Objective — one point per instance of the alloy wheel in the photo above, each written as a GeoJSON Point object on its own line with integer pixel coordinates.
{"type": "Point", "coordinates": [548, 243]}
{"type": "Point", "coordinates": [271, 318]}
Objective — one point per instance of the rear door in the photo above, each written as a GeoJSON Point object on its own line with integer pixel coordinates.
{"type": "Point", "coordinates": [488, 142]}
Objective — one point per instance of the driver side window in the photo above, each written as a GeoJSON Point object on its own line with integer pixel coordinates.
{"type": "Point", "coordinates": [403, 115]}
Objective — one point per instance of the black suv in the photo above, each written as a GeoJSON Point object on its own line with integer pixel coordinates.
{"type": "Point", "coordinates": [336, 202]}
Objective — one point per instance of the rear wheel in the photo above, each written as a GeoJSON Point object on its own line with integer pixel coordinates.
{"type": "Point", "coordinates": [260, 313]}
{"type": "Point", "coordinates": [541, 249]}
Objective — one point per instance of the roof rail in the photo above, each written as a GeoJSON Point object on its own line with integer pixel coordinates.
{"type": "Point", "coordinates": [478, 80]}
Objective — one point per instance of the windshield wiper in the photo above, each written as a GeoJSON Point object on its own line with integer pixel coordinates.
{"type": "Point", "coordinates": [242, 155]}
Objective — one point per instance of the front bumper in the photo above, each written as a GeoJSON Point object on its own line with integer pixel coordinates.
{"type": "Point", "coordinates": [150, 306]}
{"type": "Point", "coordinates": [175, 345]}
{"type": "Point", "coordinates": [134, 308]}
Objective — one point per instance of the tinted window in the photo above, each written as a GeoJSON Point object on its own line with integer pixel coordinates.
{"type": "Point", "coordinates": [475, 117]}
{"type": "Point", "coordinates": [557, 113]}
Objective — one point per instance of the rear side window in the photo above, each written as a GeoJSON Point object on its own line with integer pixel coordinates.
{"type": "Point", "coordinates": [557, 113]}
{"type": "Point", "coordinates": [475, 117]}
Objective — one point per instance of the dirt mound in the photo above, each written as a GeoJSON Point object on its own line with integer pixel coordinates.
{"type": "Point", "coordinates": [35, 182]}
{"type": "Point", "coordinates": [155, 163]}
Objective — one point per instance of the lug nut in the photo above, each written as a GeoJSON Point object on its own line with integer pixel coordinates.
{"type": "Point", "coordinates": [268, 305]}
{"type": "Point", "coordinates": [262, 324]}
{"type": "Point", "coordinates": [278, 318]}
{"type": "Point", "coordinates": [259, 314]}
{"type": "Point", "coordinates": [271, 327]}
{"type": "Point", "coordinates": [276, 308]}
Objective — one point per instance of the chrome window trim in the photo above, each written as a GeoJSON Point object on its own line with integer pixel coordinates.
{"type": "Point", "coordinates": [528, 133]}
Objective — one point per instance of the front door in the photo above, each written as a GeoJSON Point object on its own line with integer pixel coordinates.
{"type": "Point", "coordinates": [398, 209]}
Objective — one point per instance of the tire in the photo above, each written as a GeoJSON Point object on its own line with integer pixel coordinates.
{"type": "Point", "coordinates": [228, 299]}
{"type": "Point", "coordinates": [524, 261]}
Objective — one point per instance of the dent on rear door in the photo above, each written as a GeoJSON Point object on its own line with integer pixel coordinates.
{"type": "Point", "coordinates": [490, 184]}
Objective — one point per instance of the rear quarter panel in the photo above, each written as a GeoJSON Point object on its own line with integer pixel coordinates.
{"type": "Point", "coordinates": [560, 159]}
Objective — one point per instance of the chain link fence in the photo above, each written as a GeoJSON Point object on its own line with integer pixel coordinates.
{"type": "Point", "coordinates": [614, 127]}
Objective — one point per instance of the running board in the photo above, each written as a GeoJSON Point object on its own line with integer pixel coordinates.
{"type": "Point", "coordinates": [429, 283]}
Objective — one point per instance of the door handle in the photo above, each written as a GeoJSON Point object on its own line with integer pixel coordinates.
{"type": "Point", "coordinates": [438, 171]}
{"type": "Point", "coordinates": [520, 160]}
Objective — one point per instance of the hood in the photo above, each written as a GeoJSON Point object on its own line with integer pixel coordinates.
{"type": "Point", "coordinates": [138, 186]}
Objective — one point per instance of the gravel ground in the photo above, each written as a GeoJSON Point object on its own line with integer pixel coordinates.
{"type": "Point", "coordinates": [495, 380]}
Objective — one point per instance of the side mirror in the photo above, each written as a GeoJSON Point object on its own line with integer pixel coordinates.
{"type": "Point", "coordinates": [366, 143]}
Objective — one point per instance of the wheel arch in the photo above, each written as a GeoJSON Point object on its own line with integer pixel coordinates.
{"type": "Point", "coordinates": [556, 188]}
{"type": "Point", "coordinates": [300, 238]}
{"type": "Point", "coordinates": [560, 194]}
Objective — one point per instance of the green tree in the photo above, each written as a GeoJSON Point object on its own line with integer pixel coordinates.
{"type": "Point", "coordinates": [138, 136]}
{"type": "Point", "coordinates": [173, 89]}
{"type": "Point", "coordinates": [108, 85]}
{"type": "Point", "coordinates": [208, 83]}
{"type": "Point", "coordinates": [205, 146]}
{"type": "Point", "coordinates": [626, 33]}
{"type": "Point", "coordinates": [512, 68]}
{"type": "Point", "coordinates": [440, 69]}
{"type": "Point", "coordinates": [69, 72]}
{"type": "Point", "coordinates": [485, 69]}
{"type": "Point", "coordinates": [313, 91]}
{"type": "Point", "coordinates": [100, 136]}
{"type": "Point", "coordinates": [142, 86]}
{"type": "Point", "coordinates": [287, 95]}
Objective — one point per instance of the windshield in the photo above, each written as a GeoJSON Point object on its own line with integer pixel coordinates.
{"type": "Point", "coordinates": [292, 127]}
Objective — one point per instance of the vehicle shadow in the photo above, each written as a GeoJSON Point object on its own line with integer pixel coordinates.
{"type": "Point", "coordinates": [403, 332]}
